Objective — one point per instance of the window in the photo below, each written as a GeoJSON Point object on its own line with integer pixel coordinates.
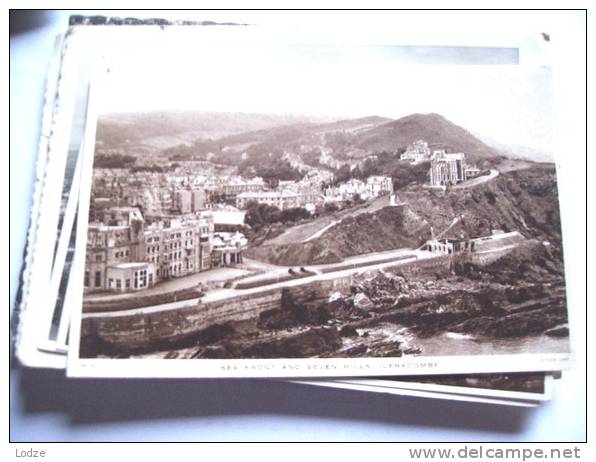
{"type": "Point", "coordinates": [110, 283]}
{"type": "Point", "coordinates": [127, 284]}
{"type": "Point", "coordinates": [118, 284]}
{"type": "Point", "coordinates": [86, 279]}
{"type": "Point", "coordinates": [98, 279]}
{"type": "Point", "coordinates": [98, 257]}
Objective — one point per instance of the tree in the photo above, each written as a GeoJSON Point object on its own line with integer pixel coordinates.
{"type": "Point", "coordinates": [331, 207]}
{"type": "Point", "coordinates": [358, 199]}
{"type": "Point", "coordinates": [113, 161]}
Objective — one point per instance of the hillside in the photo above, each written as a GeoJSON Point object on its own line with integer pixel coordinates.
{"type": "Point", "coordinates": [523, 200]}
{"type": "Point", "coordinates": [117, 130]}
{"type": "Point", "coordinates": [187, 134]}
{"type": "Point", "coordinates": [361, 123]}
{"type": "Point", "coordinates": [433, 128]}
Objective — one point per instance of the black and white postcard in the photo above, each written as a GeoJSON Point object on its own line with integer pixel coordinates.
{"type": "Point", "coordinates": [265, 212]}
{"type": "Point", "coordinates": [278, 209]}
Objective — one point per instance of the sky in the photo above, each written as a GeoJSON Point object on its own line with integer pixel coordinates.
{"type": "Point", "coordinates": [201, 72]}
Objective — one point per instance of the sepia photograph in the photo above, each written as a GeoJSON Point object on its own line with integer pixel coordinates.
{"type": "Point", "coordinates": [298, 225]}
{"type": "Point", "coordinates": [347, 209]}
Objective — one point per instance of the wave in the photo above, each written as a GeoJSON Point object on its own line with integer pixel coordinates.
{"type": "Point", "coordinates": [458, 336]}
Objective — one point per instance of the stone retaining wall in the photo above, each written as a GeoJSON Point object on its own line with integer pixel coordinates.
{"type": "Point", "coordinates": [146, 331]}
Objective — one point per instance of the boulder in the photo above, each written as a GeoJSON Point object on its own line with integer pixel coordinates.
{"type": "Point", "coordinates": [356, 350]}
{"type": "Point", "coordinates": [362, 301]}
{"type": "Point", "coordinates": [348, 331]}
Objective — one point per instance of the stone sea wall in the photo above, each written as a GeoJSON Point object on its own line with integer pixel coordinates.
{"type": "Point", "coordinates": [146, 331]}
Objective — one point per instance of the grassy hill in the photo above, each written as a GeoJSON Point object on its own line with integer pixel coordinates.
{"type": "Point", "coordinates": [117, 130]}
{"type": "Point", "coordinates": [433, 128]}
{"type": "Point", "coordinates": [523, 200]}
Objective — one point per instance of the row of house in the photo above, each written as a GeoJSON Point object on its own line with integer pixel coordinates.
{"type": "Point", "coordinates": [291, 195]}
{"type": "Point", "coordinates": [124, 253]}
{"type": "Point", "coordinates": [374, 186]}
{"type": "Point", "coordinates": [282, 199]}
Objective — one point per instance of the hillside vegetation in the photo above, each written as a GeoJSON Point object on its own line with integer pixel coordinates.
{"type": "Point", "coordinates": [523, 200]}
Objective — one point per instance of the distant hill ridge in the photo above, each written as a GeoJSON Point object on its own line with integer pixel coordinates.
{"type": "Point", "coordinates": [433, 128]}
{"type": "Point", "coordinates": [371, 133]}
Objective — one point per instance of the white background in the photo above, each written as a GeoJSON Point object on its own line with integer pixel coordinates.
{"type": "Point", "coordinates": [47, 407]}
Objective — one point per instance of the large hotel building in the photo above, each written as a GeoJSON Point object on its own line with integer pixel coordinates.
{"type": "Point", "coordinates": [125, 254]}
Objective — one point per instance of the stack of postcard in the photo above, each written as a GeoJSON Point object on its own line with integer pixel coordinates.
{"type": "Point", "coordinates": [227, 200]}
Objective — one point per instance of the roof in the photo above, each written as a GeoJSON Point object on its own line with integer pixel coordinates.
{"type": "Point", "coordinates": [129, 265]}
{"type": "Point", "coordinates": [102, 227]}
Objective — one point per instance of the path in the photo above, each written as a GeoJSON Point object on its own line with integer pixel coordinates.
{"type": "Point", "coordinates": [479, 180]}
{"type": "Point", "coordinates": [321, 231]}
{"type": "Point", "coordinates": [172, 285]}
{"type": "Point", "coordinates": [222, 294]}
{"type": "Point", "coordinates": [315, 228]}
{"type": "Point", "coordinates": [455, 221]}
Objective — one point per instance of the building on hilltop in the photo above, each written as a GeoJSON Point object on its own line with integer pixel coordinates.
{"type": "Point", "coordinates": [374, 186]}
{"type": "Point", "coordinates": [447, 169]}
{"type": "Point", "coordinates": [379, 185]}
{"type": "Point", "coordinates": [416, 152]}
{"type": "Point", "coordinates": [471, 172]}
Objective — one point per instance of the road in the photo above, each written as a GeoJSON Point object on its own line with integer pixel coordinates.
{"type": "Point", "coordinates": [222, 294]}
{"type": "Point", "coordinates": [476, 181]}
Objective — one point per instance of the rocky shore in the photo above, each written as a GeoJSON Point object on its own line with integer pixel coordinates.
{"type": "Point", "coordinates": [385, 313]}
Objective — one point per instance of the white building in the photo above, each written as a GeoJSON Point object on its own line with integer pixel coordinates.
{"type": "Point", "coordinates": [227, 248]}
{"type": "Point", "coordinates": [471, 172]}
{"type": "Point", "coordinates": [125, 277]}
{"type": "Point", "coordinates": [227, 215]}
{"type": "Point", "coordinates": [352, 187]}
{"type": "Point", "coordinates": [379, 185]}
{"type": "Point", "coordinates": [284, 199]}
{"type": "Point", "coordinates": [418, 151]}
{"type": "Point", "coordinates": [447, 169]}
